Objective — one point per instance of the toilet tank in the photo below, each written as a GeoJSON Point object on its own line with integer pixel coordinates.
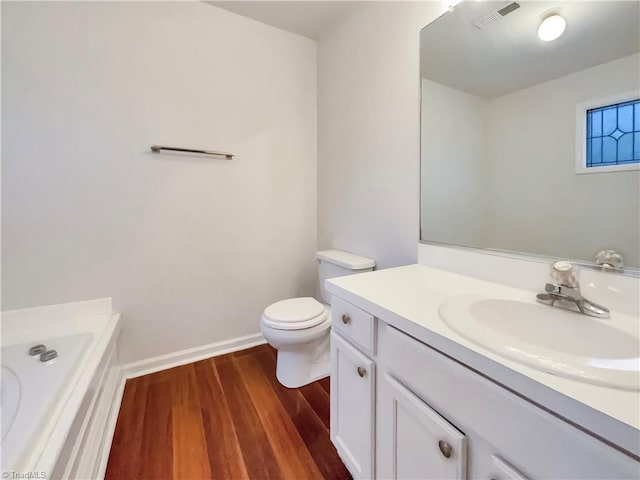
{"type": "Point", "coordinates": [336, 263]}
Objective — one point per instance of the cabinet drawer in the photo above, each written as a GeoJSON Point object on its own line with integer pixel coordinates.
{"type": "Point", "coordinates": [354, 324]}
{"type": "Point", "coordinates": [536, 443]}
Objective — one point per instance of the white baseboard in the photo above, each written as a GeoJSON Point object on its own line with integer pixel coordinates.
{"type": "Point", "coordinates": [190, 355]}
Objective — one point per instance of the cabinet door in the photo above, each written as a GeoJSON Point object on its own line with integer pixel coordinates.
{"type": "Point", "coordinates": [413, 440]}
{"type": "Point", "coordinates": [505, 471]}
{"type": "Point", "coordinates": [352, 390]}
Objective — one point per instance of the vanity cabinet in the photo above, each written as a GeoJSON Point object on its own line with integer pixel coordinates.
{"type": "Point", "coordinates": [508, 437]}
{"type": "Point", "coordinates": [352, 406]}
{"type": "Point", "coordinates": [401, 409]}
{"type": "Point", "coordinates": [414, 440]}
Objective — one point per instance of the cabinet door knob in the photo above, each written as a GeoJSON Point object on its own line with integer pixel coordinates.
{"type": "Point", "coordinates": [361, 371]}
{"type": "Point", "coordinates": [445, 449]}
{"type": "Point", "coordinates": [346, 319]}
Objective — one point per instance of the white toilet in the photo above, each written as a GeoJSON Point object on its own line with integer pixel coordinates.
{"type": "Point", "coordinates": [299, 327]}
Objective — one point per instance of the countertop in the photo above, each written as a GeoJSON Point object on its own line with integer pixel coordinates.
{"type": "Point", "coordinates": [408, 298]}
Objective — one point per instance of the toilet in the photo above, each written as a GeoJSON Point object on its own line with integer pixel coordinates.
{"type": "Point", "coordinates": [299, 328]}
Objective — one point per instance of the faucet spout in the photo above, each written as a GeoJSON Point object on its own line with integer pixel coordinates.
{"type": "Point", "coordinates": [566, 294]}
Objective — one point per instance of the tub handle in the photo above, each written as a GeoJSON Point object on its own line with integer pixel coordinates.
{"type": "Point", "coordinates": [48, 355]}
{"type": "Point", "coordinates": [37, 350]}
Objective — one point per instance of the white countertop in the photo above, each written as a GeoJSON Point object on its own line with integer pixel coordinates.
{"type": "Point", "coordinates": [408, 298]}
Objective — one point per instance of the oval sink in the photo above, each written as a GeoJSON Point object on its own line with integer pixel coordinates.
{"type": "Point", "coordinates": [550, 339]}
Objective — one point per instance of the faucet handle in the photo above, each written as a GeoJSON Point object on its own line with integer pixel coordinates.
{"type": "Point", "coordinates": [551, 288]}
{"type": "Point", "coordinates": [609, 259]}
{"type": "Point", "coordinates": [563, 273]}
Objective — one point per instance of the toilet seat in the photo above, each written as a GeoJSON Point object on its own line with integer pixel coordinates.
{"type": "Point", "coordinates": [295, 314]}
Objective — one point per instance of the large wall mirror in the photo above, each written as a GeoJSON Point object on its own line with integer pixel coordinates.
{"type": "Point", "coordinates": [531, 128]}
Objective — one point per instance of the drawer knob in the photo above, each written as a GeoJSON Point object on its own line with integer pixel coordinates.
{"type": "Point", "coordinates": [362, 372]}
{"type": "Point", "coordinates": [346, 319]}
{"type": "Point", "coordinates": [445, 449]}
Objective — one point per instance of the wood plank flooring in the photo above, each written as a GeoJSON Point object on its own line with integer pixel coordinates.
{"type": "Point", "coordinates": [224, 418]}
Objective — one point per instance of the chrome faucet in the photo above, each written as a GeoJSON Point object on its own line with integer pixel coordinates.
{"type": "Point", "coordinates": [564, 292]}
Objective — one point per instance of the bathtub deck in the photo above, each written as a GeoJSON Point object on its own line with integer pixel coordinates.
{"type": "Point", "coordinates": [224, 418]}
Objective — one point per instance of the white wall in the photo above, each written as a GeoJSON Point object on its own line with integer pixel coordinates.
{"type": "Point", "coordinates": [536, 201]}
{"type": "Point", "coordinates": [192, 249]}
{"type": "Point", "coordinates": [453, 202]}
{"type": "Point", "coordinates": [522, 193]}
{"type": "Point", "coordinates": [368, 131]}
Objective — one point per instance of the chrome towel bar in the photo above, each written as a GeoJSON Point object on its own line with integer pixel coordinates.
{"type": "Point", "coordinates": [158, 148]}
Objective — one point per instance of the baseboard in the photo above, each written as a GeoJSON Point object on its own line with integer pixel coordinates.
{"type": "Point", "coordinates": [190, 355]}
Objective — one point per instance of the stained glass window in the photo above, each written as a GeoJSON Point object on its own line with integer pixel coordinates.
{"type": "Point", "coordinates": [613, 134]}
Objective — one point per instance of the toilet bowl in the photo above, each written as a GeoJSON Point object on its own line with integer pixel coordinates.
{"type": "Point", "coordinates": [298, 328]}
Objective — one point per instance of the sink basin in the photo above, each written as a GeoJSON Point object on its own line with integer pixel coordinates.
{"type": "Point", "coordinates": [549, 339]}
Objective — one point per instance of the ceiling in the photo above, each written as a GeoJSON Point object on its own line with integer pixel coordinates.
{"type": "Point", "coordinates": [307, 18]}
{"type": "Point", "coordinates": [507, 56]}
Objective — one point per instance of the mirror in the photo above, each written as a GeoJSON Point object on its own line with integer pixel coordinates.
{"type": "Point", "coordinates": [531, 145]}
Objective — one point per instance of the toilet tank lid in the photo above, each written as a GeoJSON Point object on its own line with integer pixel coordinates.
{"type": "Point", "coordinates": [346, 259]}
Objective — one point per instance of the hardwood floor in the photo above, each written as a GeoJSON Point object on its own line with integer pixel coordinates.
{"type": "Point", "coordinates": [225, 418]}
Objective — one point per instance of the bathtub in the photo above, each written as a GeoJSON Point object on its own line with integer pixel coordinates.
{"type": "Point", "coordinates": [30, 390]}
{"type": "Point", "coordinates": [46, 406]}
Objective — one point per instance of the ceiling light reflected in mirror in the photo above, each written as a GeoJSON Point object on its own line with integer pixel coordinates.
{"type": "Point", "coordinates": [551, 28]}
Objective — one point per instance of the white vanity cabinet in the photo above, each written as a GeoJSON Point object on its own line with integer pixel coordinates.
{"type": "Point", "coordinates": [403, 410]}
{"type": "Point", "coordinates": [352, 406]}
{"type": "Point", "coordinates": [414, 441]}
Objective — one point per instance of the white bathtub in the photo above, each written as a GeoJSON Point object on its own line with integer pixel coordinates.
{"type": "Point", "coordinates": [45, 406]}
{"type": "Point", "coordinates": [30, 390]}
